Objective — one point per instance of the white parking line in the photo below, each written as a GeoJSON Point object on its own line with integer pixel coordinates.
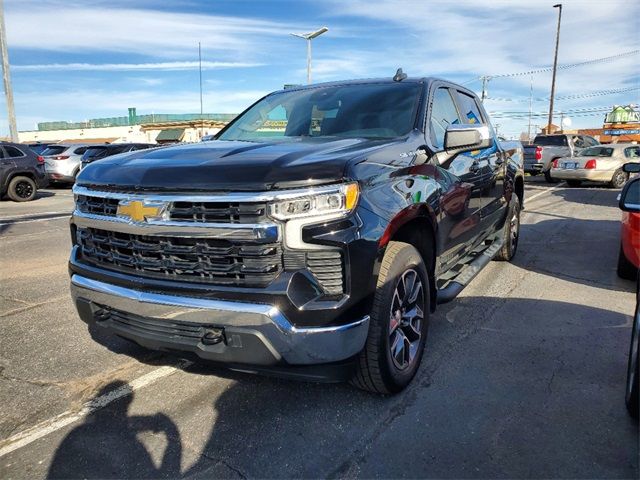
{"type": "Point", "coordinates": [16, 222]}
{"type": "Point", "coordinates": [29, 215]}
{"type": "Point", "coordinates": [54, 424]}
{"type": "Point", "coordinates": [34, 220]}
{"type": "Point", "coordinates": [546, 190]}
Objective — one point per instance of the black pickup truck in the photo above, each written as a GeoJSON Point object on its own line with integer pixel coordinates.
{"type": "Point", "coordinates": [313, 237]}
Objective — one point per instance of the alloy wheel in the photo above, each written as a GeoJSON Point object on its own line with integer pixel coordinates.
{"type": "Point", "coordinates": [406, 318]}
{"type": "Point", "coordinates": [24, 189]}
{"type": "Point", "coordinates": [514, 230]}
{"type": "Point", "coordinates": [633, 361]}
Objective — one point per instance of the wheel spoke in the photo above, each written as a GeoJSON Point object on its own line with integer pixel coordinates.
{"type": "Point", "coordinates": [398, 347]}
{"type": "Point", "coordinates": [405, 319]}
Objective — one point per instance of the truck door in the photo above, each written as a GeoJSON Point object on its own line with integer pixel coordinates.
{"type": "Point", "coordinates": [490, 162]}
{"type": "Point", "coordinates": [461, 200]}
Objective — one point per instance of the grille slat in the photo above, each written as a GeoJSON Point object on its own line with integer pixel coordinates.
{"type": "Point", "coordinates": [191, 259]}
{"type": "Point", "coordinates": [327, 267]}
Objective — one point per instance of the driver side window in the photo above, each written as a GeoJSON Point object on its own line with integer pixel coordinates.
{"type": "Point", "coordinates": [443, 113]}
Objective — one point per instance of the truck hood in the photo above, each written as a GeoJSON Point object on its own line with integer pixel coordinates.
{"type": "Point", "coordinates": [230, 165]}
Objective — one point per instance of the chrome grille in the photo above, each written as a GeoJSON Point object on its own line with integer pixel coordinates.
{"type": "Point", "coordinates": [185, 211]}
{"type": "Point", "coordinates": [218, 212]}
{"type": "Point", "coordinates": [97, 205]}
{"type": "Point", "coordinates": [206, 260]}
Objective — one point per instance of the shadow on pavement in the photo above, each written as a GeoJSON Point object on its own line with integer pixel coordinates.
{"type": "Point", "coordinates": [589, 194]}
{"type": "Point", "coordinates": [592, 246]}
{"type": "Point", "coordinates": [536, 391]}
{"type": "Point", "coordinates": [106, 445]}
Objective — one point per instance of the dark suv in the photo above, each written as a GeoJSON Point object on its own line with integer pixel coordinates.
{"type": "Point", "coordinates": [96, 152]}
{"type": "Point", "coordinates": [21, 172]}
{"type": "Point", "coordinates": [315, 235]}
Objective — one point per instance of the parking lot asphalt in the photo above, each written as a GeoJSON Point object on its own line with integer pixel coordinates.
{"type": "Point", "coordinates": [523, 375]}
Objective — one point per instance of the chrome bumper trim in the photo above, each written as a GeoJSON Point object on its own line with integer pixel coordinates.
{"type": "Point", "coordinates": [263, 232]}
{"type": "Point", "coordinates": [296, 346]}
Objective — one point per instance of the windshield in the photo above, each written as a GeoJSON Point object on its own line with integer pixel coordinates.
{"type": "Point", "coordinates": [551, 140]}
{"type": "Point", "coordinates": [57, 150]}
{"type": "Point", "coordinates": [346, 111]}
{"type": "Point", "coordinates": [596, 152]}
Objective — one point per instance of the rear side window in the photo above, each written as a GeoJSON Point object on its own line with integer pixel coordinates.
{"type": "Point", "coordinates": [54, 150]}
{"type": "Point", "coordinates": [551, 140]}
{"type": "Point", "coordinates": [632, 152]}
{"type": "Point", "coordinates": [443, 114]}
{"type": "Point", "coordinates": [93, 152]}
{"type": "Point", "coordinates": [597, 152]}
{"type": "Point", "coordinates": [80, 150]}
{"type": "Point", "coordinates": [468, 108]}
{"type": "Point", "coordinates": [13, 151]}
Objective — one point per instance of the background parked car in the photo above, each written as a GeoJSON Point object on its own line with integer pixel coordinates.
{"type": "Point", "coordinates": [62, 161]}
{"type": "Point", "coordinates": [21, 172]}
{"type": "Point", "coordinates": [602, 163]}
{"type": "Point", "coordinates": [546, 148]}
{"type": "Point", "coordinates": [96, 152]}
{"type": "Point", "coordinates": [629, 255]}
{"type": "Point", "coordinates": [38, 147]}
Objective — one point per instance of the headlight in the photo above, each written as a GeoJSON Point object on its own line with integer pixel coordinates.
{"type": "Point", "coordinates": [339, 200]}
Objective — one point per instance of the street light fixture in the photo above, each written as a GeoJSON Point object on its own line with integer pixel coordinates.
{"type": "Point", "coordinates": [308, 37]}
{"type": "Point", "coordinates": [555, 66]}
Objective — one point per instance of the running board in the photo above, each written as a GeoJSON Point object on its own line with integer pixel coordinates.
{"type": "Point", "coordinates": [455, 286]}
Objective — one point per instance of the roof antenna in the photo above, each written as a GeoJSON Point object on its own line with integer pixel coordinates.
{"type": "Point", "coordinates": [399, 76]}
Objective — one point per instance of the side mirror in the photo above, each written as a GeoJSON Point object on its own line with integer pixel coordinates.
{"type": "Point", "coordinates": [631, 167]}
{"type": "Point", "coordinates": [464, 138]}
{"type": "Point", "coordinates": [630, 196]}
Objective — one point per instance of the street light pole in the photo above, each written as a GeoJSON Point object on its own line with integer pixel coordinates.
{"type": "Point", "coordinates": [6, 77]}
{"type": "Point", "coordinates": [308, 37]}
{"type": "Point", "coordinates": [555, 67]}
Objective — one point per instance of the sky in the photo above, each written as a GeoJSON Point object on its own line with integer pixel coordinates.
{"type": "Point", "coordinates": [75, 60]}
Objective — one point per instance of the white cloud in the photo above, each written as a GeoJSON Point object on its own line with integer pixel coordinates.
{"type": "Point", "coordinates": [82, 28]}
{"type": "Point", "coordinates": [113, 67]}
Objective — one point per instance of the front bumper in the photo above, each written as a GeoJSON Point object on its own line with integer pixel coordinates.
{"type": "Point", "coordinates": [582, 174]}
{"type": "Point", "coordinates": [246, 333]}
{"type": "Point", "coordinates": [534, 167]}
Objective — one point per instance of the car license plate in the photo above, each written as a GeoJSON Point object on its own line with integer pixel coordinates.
{"type": "Point", "coordinates": [570, 165]}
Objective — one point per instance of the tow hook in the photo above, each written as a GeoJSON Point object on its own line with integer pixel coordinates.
{"type": "Point", "coordinates": [212, 336]}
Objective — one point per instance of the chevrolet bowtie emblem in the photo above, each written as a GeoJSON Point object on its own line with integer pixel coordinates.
{"type": "Point", "coordinates": [140, 211]}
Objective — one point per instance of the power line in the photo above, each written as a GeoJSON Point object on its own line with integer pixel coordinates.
{"type": "Point", "coordinates": [570, 65]}
{"type": "Point", "coordinates": [560, 67]}
{"type": "Point", "coordinates": [576, 96]}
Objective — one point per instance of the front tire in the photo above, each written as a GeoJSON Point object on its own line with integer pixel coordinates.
{"type": "Point", "coordinates": [22, 189]}
{"type": "Point", "coordinates": [511, 232]}
{"type": "Point", "coordinates": [399, 323]}
{"type": "Point", "coordinates": [631, 394]}
{"type": "Point", "coordinates": [547, 174]}
{"type": "Point", "coordinates": [626, 269]}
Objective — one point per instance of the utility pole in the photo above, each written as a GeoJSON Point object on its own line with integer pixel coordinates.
{"type": "Point", "coordinates": [6, 77]}
{"type": "Point", "coordinates": [530, 108]}
{"type": "Point", "coordinates": [201, 110]}
{"type": "Point", "coordinates": [555, 67]}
